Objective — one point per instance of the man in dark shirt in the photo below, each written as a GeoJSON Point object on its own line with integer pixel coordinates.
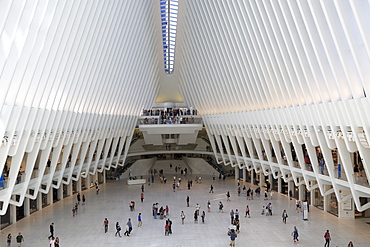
{"type": "Point", "coordinates": [51, 231]}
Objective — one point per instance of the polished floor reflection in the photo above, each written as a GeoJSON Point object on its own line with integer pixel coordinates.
{"type": "Point", "coordinates": [86, 229]}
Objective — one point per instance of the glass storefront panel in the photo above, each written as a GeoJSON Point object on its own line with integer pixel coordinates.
{"type": "Point", "coordinates": [333, 204]}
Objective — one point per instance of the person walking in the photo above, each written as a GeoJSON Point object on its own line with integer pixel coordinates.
{"type": "Point", "coordinates": [78, 198]}
{"type": "Point", "coordinates": [73, 211]}
{"type": "Point", "coordinates": [233, 236]}
{"type": "Point", "coordinates": [51, 230]}
{"type": "Point", "coordinates": [9, 239]}
{"type": "Point", "coordinates": [327, 238]}
{"type": "Point", "coordinates": [127, 231]}
{"type": "Point", "coordinates": [19, 239]}
{"type": "Point", "coordinates": [228, 196]}
{"type": "Point", "coordinates": [129, 223]}
{"type": "Point", "coordinates": [142, 188]}
{"type": "Point", "coordinates": [211, 189]}
{"type": "Point", "coordinates": [247, 212]}
{"type": "Point", "coordinates": [139, 221]}
{"type": "Point", "coordinates": [350, 244]}
{"type": "Point", "coordinates": [209, 206]}
{"type": "Point", "coordinates": [83, 199]}
{"type": "Point", "coordinates": [142, 197]}
{"type": "Point", "coordinates": [182, 217]}
{"type": "Point", "coordinates": [203, 216]}
{"type": "Point", "coordinates": [284, 215]}
{"type": "Point", "coordinates": [187, 201]}
{"type": "Point", "coordinates": [295, 234]}
{"type": "Point", "coordinates": [105, 224]}
{"type": "Point", "coordinates": [76, 208]}
{"type": "Point", "coordinates": [118, 230]}
{"type": "Point", "coordinates": [220, 207]}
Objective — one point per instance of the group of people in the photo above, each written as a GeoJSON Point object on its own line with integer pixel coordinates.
{"type": "Point", "coordinates": [19, 239]}
{"type": "Point", "coordinates": [118, 227]}
{"type": "Point", "coordinates": [162, 212]}
{"type": "Point", "coordinates": [54, 241]}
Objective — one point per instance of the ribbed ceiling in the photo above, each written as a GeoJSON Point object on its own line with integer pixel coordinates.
{"type": "Point", "coordinates": [252, 55]}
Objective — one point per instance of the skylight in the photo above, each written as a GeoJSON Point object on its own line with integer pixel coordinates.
{"type": "Point", "coordinates": [169, 10]}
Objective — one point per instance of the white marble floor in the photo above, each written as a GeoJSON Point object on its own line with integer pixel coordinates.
{"type": "Point", "coordinates": [86, 229]}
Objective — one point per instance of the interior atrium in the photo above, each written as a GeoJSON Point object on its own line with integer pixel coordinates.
{"type": "Point", "coordinates": [270, 93]}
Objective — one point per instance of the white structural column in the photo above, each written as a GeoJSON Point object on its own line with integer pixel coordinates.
{"type": "Point", "coordinates": [26, 205]}
{"type": "Point", "coordinates": [236, 169]}
{"type": "Point", "coordinates": [244, 174]}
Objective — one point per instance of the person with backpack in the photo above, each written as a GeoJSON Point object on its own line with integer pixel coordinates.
{"type": "Point", "coordinates": [327, 238]}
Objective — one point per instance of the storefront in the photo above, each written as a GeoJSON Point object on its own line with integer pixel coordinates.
{"type": "Point", "coordinates": [318, 199]}
{"type": "Point", "coordinates": [333, 204]}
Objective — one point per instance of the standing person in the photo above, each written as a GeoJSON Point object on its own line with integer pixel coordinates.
{"type": "Point", "coordinates": [83, 199]}
{"type": "Point", "coordinates": [239, 190]}
{"type": "Point", "coordinates": [247, 210]}
{"type": "Point", "coordinates": [271, 195]}
{"type": "Point", "coordinates": [169, 226]}
{"type": "Point", "coordinates": [295, 234]}
{"type": "Point", "coordinates": [139, 221]}
{"type": "Point", "coordinates": [209, 206]}
{"type": "Point", "coordinates": [290, 194]}
{"type": "Point", "coordinates": [233, 236]}
{"type": "Point", "coordinates": [76, 208]}
{"type": "Point", "coordinates": [78, 198]}
{"type": "Point", "coordinates": [57, 242]}
{"type": "Point", "coordinates": [187, 201]}
{"type": "Point", "coordinates": [327, 238]}
{"type": "Point", "coordinates": [220, 207]}
{"type": "Point", "coordinates": [197, 208]}
{"type": "Point", "coordinates": [350, 244]}
{"type": "Point", "coordinates": [142, 197]}
{"type": "Point", "coordinates": [9, 239]}
{"type": "Point", "coordinates": [285, 215]}
{"type": "Point", "coordinates": [232, 216]}
{"type": "Point", "coordinates": [195, 216]}
{"type": "Point", "coordinates": [105, 224]}
{"type": "Point", "coordinates": [118, 230]}
{"type": "Point", "coordinates": [19, 239]}
{"type": "Point", "coordinates": [73, 211]}
{"type": "Point", "coordinates": [52, 242]}
{"type": "Point", "coordinates": [142, 188]}
{"type": "Point", "coordinates": [203, 216]}
{"type": "Point", "coordinates": [228, 196]}
{"type": "Point", "coordinates": [182, 217]}
{"type": "Point", "coordinates": [166, 229]}
{"type": "Point", "coordinates": [211, 189]}
{"type": "Point", "coordinates": [174, 187]}
{"type": "Point", "coordinates": [167, 210]}
{"type": "Point", "coordinates": [97, 187]}
{"type": "Point", "coordinates": [236, 214]}
{"type": "Point", "coordinates": [51, 230]}
{"type": "Point", "coordinates": [266, 198]}
{"type": "Point", "coordinates": [129, 223]}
